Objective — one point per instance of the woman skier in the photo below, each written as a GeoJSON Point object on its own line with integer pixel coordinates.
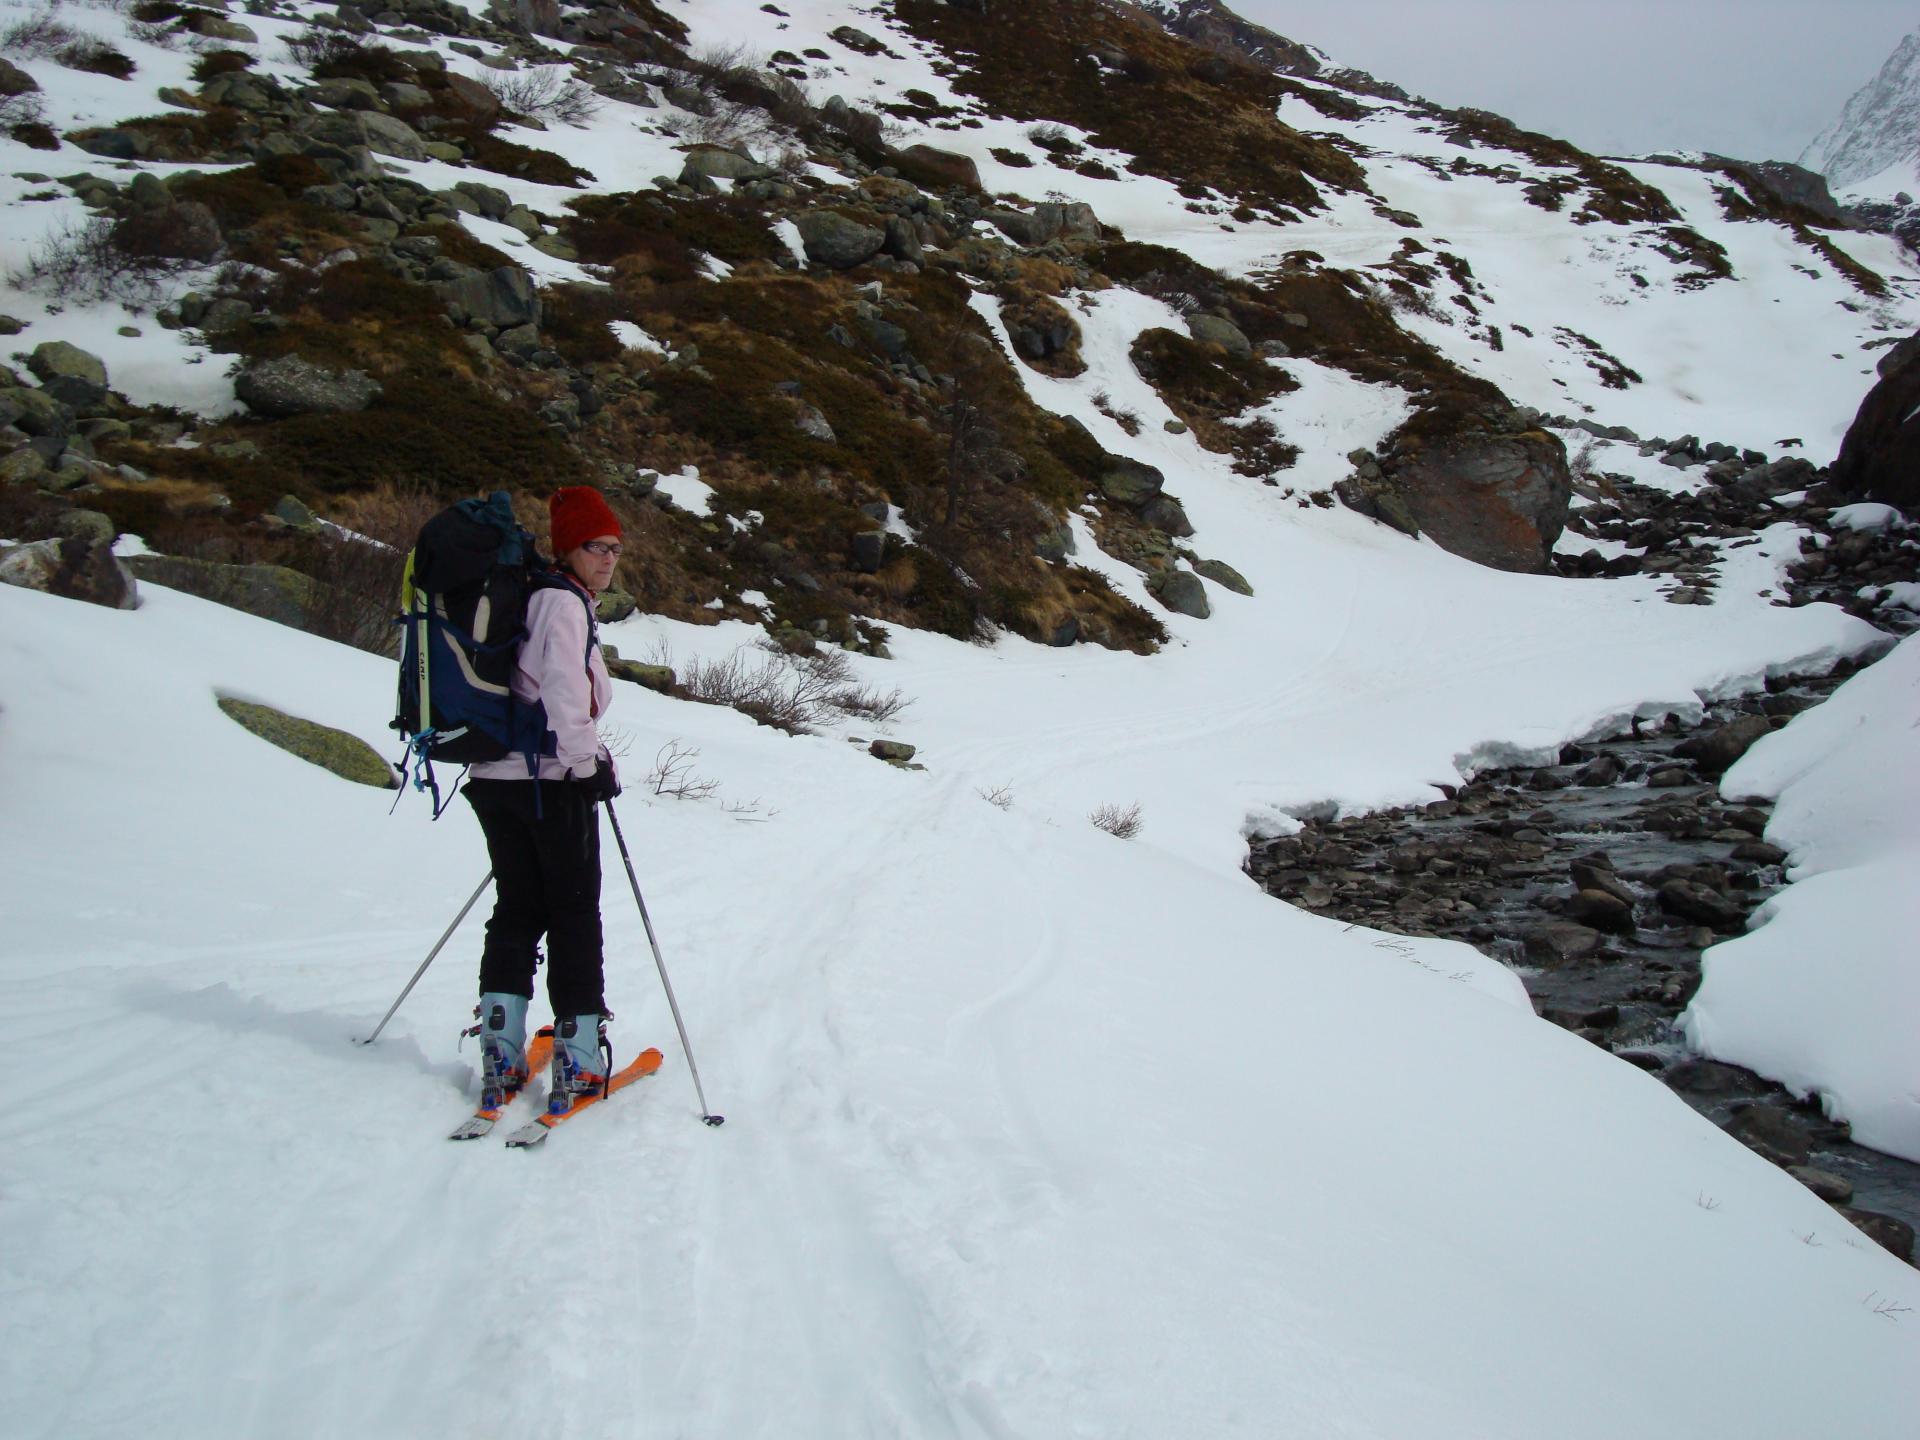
{"type": "Point", "coordinates": [542, 825]}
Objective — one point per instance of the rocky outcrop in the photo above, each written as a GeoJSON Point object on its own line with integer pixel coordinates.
{"type": "Point", "coordinates": [334, 751]}
{"type": "Point", "coordinates": [1880, 456]}
{"type": "Point", "coordinates": [270, 591]}
{"type": "Point", "coordinates": [1499, 499]}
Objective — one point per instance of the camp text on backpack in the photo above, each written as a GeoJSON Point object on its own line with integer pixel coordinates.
{"type": "Point", "coordinates": [463, 601]}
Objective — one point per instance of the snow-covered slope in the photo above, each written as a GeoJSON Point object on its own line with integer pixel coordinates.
{"type": "Point", "coordinates": [1873, 149]}
{"type": "Point", "coordinates": [1030, 1131]}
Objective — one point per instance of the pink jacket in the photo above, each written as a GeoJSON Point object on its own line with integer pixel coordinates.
{"type": "Point", "coordinates": [556, 669]}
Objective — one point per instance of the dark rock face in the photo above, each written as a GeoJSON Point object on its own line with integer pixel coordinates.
{"type": "Point", "coordinates": [292, 386]}
{"type": "Point", "coordinates": [1880, 457]}
{"type": "Point", "coordinates": [1500, 500]}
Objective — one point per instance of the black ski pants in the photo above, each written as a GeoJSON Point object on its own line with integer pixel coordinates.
{"type": "Point", "coordinates": [546, 875]}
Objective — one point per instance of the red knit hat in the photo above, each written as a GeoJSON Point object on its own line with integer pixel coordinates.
{"type": "Point", "coordinates": [577, 514]}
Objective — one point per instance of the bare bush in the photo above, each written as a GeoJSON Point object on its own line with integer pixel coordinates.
{"type": "Point", "coordinates": [673, 774]}
{"type": "Point", "coordinates": [27, 109]}
{"type": "Point", "coordinates": [548, 94]}
{"type": "Point", "coordinates": [1122, 822]}
{"type": "Point", "coordinates": [96, 57]}
{"type": "Point", "coordinates": [358, 593]}
{"type": "Point", "coordinates": [86, 262]}
{"type": "Point", "coordinates": [155, 33]}
{"type": "Point", "coordinates": [316, 47]}
{"type": "Point", "coordinates": [789, 692]}
{"type": "Point", "coordinates": [38, 35]}
{"type": "Point", "coordinates": [1000, 797]}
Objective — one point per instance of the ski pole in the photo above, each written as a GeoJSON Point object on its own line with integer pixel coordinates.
{"type": "Point", "coordinates": [471, 902]}
{"type": "Point", "coordinates": [672, 1004]}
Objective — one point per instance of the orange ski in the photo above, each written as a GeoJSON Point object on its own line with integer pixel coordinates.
{"type": "Point", "coordinates": [535, 1130]}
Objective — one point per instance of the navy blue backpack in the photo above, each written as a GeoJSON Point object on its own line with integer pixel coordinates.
{"type": "Point", "coordinates": [463, 603]}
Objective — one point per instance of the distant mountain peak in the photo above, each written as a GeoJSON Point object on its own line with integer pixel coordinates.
{"type": "Point", "coordinates": [1879, 129]}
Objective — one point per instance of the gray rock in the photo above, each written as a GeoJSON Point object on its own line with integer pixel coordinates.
{"type": "Point", "coordinates": [500, 298]}
{"type": "Point", "coordinates": [292, 513]}
{"type": "Point", "coordinates": [334, 751]}
{"type": "Point", "coordinates": [271, 592]}
{"type": "Point", "coordinates": [1589, 874]}
{"type": "Point", "coordinates": [1167, 515]}
{"type": "Point", "coordinates": [217, 27]}
{"type": "Point", "coordinates": [1715, 751]}
{"type": "Point", "coordinates": [15, 81]}
{"type": "Point", "coordinates": [72, 569]}
{"type": "Point", "coordinates": [1773, 1132]}
{"type": "Point", "coordinates": [1602, 910]}
{"type": "Point", "coordinates": [1893, 1235]}
{"type": "Point", "coordinates": [494, 202]}
{"type": "Point", "coordinates": [25, 466]}
{"type": "Point", "coordinates": [724, 162]}
{"type": "Point", "coordinates": [655, 677]}
{"type": "Point", "coordinates": [1182, 592]}
{"type": "Point", "coordinates": [832, 240]}
{"type": "Point", "coordinates": [293, 386]}
{"type": "Point", "coordinates": [1130, 482]}
{"type": "Point", "coordinates": [942, 169]}
{"type": "Point", "coordinates": [1224, 575]}
{"type": "Point", "coordinates": [1692, 901]}
{"type": "Point", "coordinates": [1212, 330]}
{"type": "Point", "coordinates": [89, 526]}
{"type": "Point", "coordinates": [56, 359]}
{"type": "Point", "coordinates": [614, 605]}
{"type": "Point", "coordinates": [1562, 942]}
{"type": "Point", "coordinates": [1834, 1189]}
{"type": "Point", "coordinates": [896, 751]}
{"type": "Point", "coordinates": [867, 551]}
{"type": "Point", "coordinates": [385, 135]}
{"type": "Point", "coordinates": [903, 241]}
{"type": "Point", "coordinates": [811, 423]}
{"type": "Point", "coordinates": [1500, 500]}
{"type": "Point", "coordinates": [343, 94]}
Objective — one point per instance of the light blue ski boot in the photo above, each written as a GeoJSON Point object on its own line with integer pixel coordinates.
{"type": "Point", "coordinates": [582, 1059]}
{"type": "Point", "coordinates": [503, 1047]}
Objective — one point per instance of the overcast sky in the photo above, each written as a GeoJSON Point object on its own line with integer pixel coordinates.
{"type": "Point", "coordinates": [1754, 79]}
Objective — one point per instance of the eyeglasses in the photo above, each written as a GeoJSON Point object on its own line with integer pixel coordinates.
{"type": "Point", "coordinates": [601, 547]}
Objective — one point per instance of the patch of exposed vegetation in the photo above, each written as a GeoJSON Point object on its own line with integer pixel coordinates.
{"type": "Point", "coordinates": [1051, 63]}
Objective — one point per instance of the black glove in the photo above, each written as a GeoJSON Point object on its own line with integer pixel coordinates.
{"type": "Point", "coordinates": [602, 785]}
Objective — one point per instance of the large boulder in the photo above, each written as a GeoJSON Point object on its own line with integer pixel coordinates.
{"type": "Point", "coordinates": [71, 375]}
{"type": "Point", "coordinates": [1212, 330]}
{"type": "Point", "coordinates": [1498, 499]}
{"type": "Point", "coordinates": [1130, 482]}
{"type": "Point", "coordinates": [723, 162]}
{"type": "Point", "coordinates": [1880, 456]}
{"type": "Point", "coordinates": [833, 240]}
{"type": "Point", "coordinates": [335, 751]}
{"type": "Point", "coordinates": [74, 569]}
{"type": "Point", "coordinates": [500, 299]}
{"type": "Point", "coordinates": [293, 386]}
{"type": "Point", "coordinates": [1182, 592]}
{"type": "Point", "coordinates": [937, 169]}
